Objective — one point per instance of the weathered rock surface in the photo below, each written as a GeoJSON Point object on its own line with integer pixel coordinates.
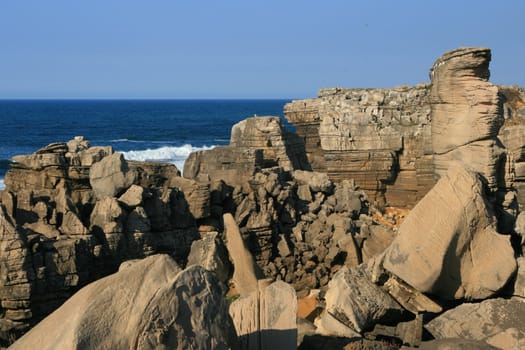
{"type": "Point", "coordinates": [453, 344]}
{"type": "Point", "coordinates": [378, 137]}
{"type": "Point", "coordinates": [266, 319]}
{"type": "Point", "coordinates": [466, 114]}
{"type": "Point", "coordinates": [147, 305]}
{"type": "Point", "coordinates": [110, 176]}
{"type": "Point", "coordinates": [256, 143]}
{"type": "Point", "coordinates": [446, 244]}
{"type": "Point", "coordinates": [493, 320]}
{"type": "Point", "coordinates": [210, 253]}
{"type": "Point", "coordinates": [395, 142]}
{"type": "Point", "coordinates": [357, 303]}
{"type": "Point", "coordinates": [60, 236]}
{"type": "Point", "coordinates": [244, 273]}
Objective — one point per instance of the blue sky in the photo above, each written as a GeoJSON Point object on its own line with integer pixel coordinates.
{"type": "Point", "coordinates": [243, 48]}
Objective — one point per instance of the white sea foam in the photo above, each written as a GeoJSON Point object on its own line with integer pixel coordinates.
{"type": "Point", "coordinates": [169, 154]}
{"type": "Point", "coordinates": [2, 184]}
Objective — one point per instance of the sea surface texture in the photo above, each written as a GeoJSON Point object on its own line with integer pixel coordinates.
{"type": "Point", "coordinates": [156, 130]}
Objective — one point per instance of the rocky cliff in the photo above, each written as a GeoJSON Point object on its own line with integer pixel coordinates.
{"type": "Point", "coordinates": [395, 143]}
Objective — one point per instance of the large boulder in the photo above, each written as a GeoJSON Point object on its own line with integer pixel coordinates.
{"type": "Point", "coordinates": [496, 321]}
{"type": "Point", "coordinates": [149, 304]}
{"type": "Point", "coordinates": [357, 303]}
{"type": "Point", "coordinates": [448, 246]}
{"type": "Point", "coordinates": [111, 176]}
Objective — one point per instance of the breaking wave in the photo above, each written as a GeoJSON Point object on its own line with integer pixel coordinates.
{"type": "Point", "coordinates": [168, 154]}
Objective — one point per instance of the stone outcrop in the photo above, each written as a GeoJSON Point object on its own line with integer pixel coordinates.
{"type": "Point", "coordinates": [355, 302]}
{"type": "Point", "coordinates": [466, 114]}
{"type": "Point", "coordinates": [60, 233]}
{"type": "Point", "coordinates": [381, 138]}
{"type": "Point", "coordinates": [210, 253]}
{"type": "Point", "coordinates": [446, 244]}
{"type": "Point", "coordinates": [146, 305]}
{"type": "Point", "coordinates": [493, 321]}
{"type": "Point", "coordinates": [72, 213]}
{"type": "Point", "coordinates": [110, 176]}
{"type": "Point", "coordinates": [255, 143]}
{"type": "Point", "coordinates": [396, 142]}
{"type": "Point", "coordinates": [266, 318]}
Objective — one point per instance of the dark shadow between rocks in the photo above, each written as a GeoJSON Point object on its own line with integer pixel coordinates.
{"type": "Point", "coordinates": [269, 339]}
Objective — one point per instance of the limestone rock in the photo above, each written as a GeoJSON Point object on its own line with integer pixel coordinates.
{"type": "Point", "coordinates": [210, 253]}
{"type": "Point", "coordinates": [377, 241]}
{"type": "Point", "coordinates": [466, 114]}
{"type": "Point", "coordinates": [481, 321]}
{"type": "Point", "coordinates": [409, 298]}
{"type": "Point", "coordinates": [365, 134]}
{"type": "Point", "coordinates": [518, 287]}
{"type": "Point", "coordinates": [266, 318]}
{"type": "Point", "coordinates": [150, 304]}
{"type": "Point", "coordinates": [111, 176]}
{"type": "Point", "coordinates": [244, 268]}
{"type": "Point", "coordinates": [197, 194]}
{"type": "Point", "coordinates": [256, 143]}
{"type": "Point", "coordinates": [447, 245]}
{"type": "Point", "coordinates": [133, 196]}
{"type": "Point", "coordinates": [318, 182]}
{"type": "Point", "coordinates": [353, 300]}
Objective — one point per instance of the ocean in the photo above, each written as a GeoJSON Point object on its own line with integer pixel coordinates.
{"type": "Point", "coordinates": [156, 130]}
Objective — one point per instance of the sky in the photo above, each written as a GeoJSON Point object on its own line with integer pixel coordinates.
{"type": "Point", "coordinates": [185, 49]}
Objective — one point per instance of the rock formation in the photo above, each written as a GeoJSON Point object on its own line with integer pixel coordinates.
{"type": "Point", "coordinates": [466, 114]}
{"type": "Point", "coordinates": [255, 143]}
{"type": "Point", "coordinates": [266, 318]}
{"type": "Point", "coordinates": [254, 213]}
{"type": "Point", "coordinates": [446, 244]}
{"type": "Point", "coordinates": [499, 322]}
{"type": "Point", "coordinates": [396, 142]}
{"type": "Point", "coordinates": [381, 138]}
{"type": "Point", "coordinates": [59, 233]}
{"type": "Point", "coordinates": [147, 305]}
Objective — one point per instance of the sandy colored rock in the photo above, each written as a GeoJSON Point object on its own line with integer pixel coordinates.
{"type": "Point", "coordinates": [318, 182]}
{"type": "Point", "coordinates": [482, 321]}
{"type": "Point", "coordinates": [151, 304]}
{"type": "Point", "coordinates": [266, 318]}
{"type": "Point", "coordinates": [111, 176]}
{"type": "Point", "coordinates": [454, 344]}
{"type": "Point", "coordinates": [244, 268]}
{"type": "Point", "coordinates": [210, 253]}
{"type": "Point", "coordinates": [364, 134]}
{"type": "Point", "coordinates": [448, 246]}
{"type": "Point", "coordinates": [466, 115]}
{"type": "Point", "coordinates": [357, 303]}
{"type": "Point", "coordinates": [255, 143]}
{"type": "Point", "coordinates": [133, 196]}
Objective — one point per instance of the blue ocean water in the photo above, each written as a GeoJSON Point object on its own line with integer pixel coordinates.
{"type": "Point", "coordinates": [159, 130]}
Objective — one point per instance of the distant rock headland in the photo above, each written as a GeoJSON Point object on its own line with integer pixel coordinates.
{"type": "Point", "coordinates": [387, 217]}
{"type": "Point", "coordinates": [395, 143]}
